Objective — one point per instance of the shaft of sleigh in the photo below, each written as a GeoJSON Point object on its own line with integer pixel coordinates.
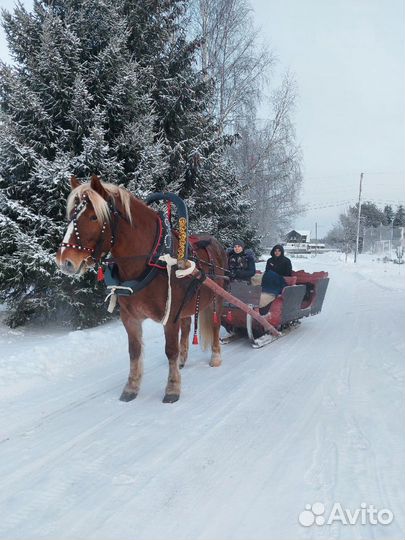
{"type": "Point", "coordinates": [217, 289]}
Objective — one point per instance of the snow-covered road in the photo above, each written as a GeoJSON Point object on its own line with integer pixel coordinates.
{"type": "Point", "coordinates": [318, 416]}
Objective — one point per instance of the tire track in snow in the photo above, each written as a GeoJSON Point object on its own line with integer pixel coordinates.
{"type": "Point", "coordinates": [156, 471]}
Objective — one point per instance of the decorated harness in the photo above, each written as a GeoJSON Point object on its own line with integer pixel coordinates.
{"type": "Point", "coordinates": [162, 256]}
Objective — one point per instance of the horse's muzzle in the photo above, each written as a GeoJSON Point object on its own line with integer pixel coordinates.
{"type": "Point", "coordinates": [69, 267]}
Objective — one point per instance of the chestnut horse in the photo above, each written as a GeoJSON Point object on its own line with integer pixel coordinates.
{"type": "Point", "coordinates": [105, 218]}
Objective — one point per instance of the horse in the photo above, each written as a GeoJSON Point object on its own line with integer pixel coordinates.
{"type": "Point", "coordinates": [107, 219]}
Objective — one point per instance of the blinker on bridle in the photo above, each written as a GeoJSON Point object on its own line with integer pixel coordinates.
{"type": "Point", "coordinates": [96, 251]}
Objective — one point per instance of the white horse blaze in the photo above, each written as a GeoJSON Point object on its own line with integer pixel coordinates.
{"type": "Point", "coordinates": [67, 236]}
{"type": "Point", "coordinates": [70, 229]}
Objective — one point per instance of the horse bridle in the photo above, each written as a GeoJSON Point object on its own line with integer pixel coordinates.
{"type": "Point", "coordinates": [94, 253]}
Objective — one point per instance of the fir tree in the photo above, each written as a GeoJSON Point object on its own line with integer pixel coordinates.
{"type": "Point", "coordinates": [389, 214]}
{"type": "Point", "coordinates": [107, 88]}
{"type": "Point", "coordinates": [67, 104]}
{"type": "Point", "coordinates": [399, 219]}
{"type": "Point", "coordinates": [371, 215]}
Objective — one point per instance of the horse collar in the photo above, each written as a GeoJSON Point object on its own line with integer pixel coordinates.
{"type": "Point", "coordinates": [132, 286]}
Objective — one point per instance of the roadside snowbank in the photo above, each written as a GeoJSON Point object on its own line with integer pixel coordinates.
{"type": "Point", "coordinates": [370, 267]}
{"type": "Point", "coordinates": [29, 355]}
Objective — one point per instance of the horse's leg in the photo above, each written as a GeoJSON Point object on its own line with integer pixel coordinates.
{"type": "Point", "coordinates": [185, 325]}
{"type": "Point", "coordinates": [172, 393]}
{"type": "Point", "coordinates": [135, 346]}
{"type": "Point", "coordinates": [216, 359]}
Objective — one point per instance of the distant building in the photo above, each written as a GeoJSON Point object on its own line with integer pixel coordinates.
{"type": "Point", "coordinates": [298, 237]}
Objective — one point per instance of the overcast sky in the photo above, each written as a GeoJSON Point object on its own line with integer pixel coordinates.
{"type": "Point", "coordinates": [348, 60]}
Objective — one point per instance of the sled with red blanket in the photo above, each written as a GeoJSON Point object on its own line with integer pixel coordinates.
{"type": "Point", "coordinates": [303, 296]}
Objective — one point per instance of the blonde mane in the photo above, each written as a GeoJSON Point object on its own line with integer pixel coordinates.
{"type": "Point", "coordinates": [99, 204]}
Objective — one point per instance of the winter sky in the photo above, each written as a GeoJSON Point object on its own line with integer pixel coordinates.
{"type": "Point", "coordinates": [348, 60]}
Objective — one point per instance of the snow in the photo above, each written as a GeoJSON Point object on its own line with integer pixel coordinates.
{"type": "Point", "coordinates": [373, 268]}
{"type": "Point", "coordinates": [315, 417]}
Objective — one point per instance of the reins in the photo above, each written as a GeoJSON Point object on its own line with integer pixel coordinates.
{"type": "Point", "coordinates": [209, 263]}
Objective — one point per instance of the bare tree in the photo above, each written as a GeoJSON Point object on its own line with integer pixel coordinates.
{"type": "Point", "coordinates": [266, 156]}
{"type": "Point", "coordinates": [343, 234]}
{"type": "Point", "coordinates": [269, 162]}
{"type": "Point", "coordinates": [231, 56]}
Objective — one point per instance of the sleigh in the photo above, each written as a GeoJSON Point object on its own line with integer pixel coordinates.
{"type": "Point", "coordinates": [303, 296]}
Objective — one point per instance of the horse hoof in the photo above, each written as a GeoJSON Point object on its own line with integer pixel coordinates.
{"type": "Point", "coordinates": [216, 362]}
{"type": "Point", "coordinates": [171, 398]}
{"type": "Point", "coordinates": [127, 396]}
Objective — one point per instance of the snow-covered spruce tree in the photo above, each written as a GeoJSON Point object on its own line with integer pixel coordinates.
{"type": "Point", "coordinates": [389, 214]}
{"type": "Point", "coordinates": [74, 102]}
{"type": "Point", "coordinates": [106, 88]}
{"type": "Point", "coordinates": [399, 218]}
{"type": "Point", "coordinates": [198, 167]}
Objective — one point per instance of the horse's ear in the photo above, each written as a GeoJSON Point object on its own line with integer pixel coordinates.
{"type": "Point", "coordinates": [74, 182]}
{"type": "Point", "coordinates": [97, 185]}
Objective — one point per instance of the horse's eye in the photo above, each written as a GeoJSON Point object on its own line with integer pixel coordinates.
{"type": "Point", "coordinates": [93, 218]}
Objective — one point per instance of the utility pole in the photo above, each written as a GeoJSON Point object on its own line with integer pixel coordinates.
{"type": "Point", "coordinates": [316, 237]}
{"type": "Point", "coordinates": [358, 219]}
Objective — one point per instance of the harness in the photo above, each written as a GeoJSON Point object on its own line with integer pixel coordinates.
{"type": "Point", "coordinates": [163, 245]}
{"type": "Point", "coordinates": [132, 286]}
{"type": "Point", "coordinates": [95, 253]}
{"type": "Point", "coordinates": [161, 256]}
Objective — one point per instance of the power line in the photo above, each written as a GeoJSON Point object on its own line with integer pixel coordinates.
{"type": "Point", "coordinates": [327, 205]}
{"type": "Point", "coordinates": [333, 204]}
{"type": "Point", "coordinates": [348, 174]}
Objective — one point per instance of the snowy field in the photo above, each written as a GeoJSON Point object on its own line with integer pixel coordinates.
{"type": "Point", "coordinates": [318, 416]}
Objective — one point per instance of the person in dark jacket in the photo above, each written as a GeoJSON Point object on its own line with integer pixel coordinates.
{"type": "Point", "coordinates": [273, 281]}
{"type": "Point", "coordinates": [241, 262]}
{"type": "Point", "coordinates": [278, 262]}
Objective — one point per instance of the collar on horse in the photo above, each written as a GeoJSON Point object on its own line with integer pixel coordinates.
{"type": "Point", "coordinates": [163, 245]}
{"type": "Point", "coordinates": [153, 265]}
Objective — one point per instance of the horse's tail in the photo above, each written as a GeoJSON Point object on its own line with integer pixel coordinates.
{"type": "Point", "coordinates": [207, 327]}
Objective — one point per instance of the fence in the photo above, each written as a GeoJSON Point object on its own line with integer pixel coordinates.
{"type": "Point", "coordinates": [383, 240]}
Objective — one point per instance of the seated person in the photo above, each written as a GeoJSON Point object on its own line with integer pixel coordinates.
{"type": "Point", "coordinates": [241, 262]}
{"type": "Point", "coordinates": [273, 282]}
{"type": "Point", "coordinates": [272, 285]}
{"type": "Point", "coordinates": [278, 262]}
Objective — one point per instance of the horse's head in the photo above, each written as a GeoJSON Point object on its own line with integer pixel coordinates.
{"type": "Point", "coordinates": [89, 236]}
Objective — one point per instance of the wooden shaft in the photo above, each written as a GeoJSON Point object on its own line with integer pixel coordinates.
{"type": "Point", "coordinates": [241, 305]}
